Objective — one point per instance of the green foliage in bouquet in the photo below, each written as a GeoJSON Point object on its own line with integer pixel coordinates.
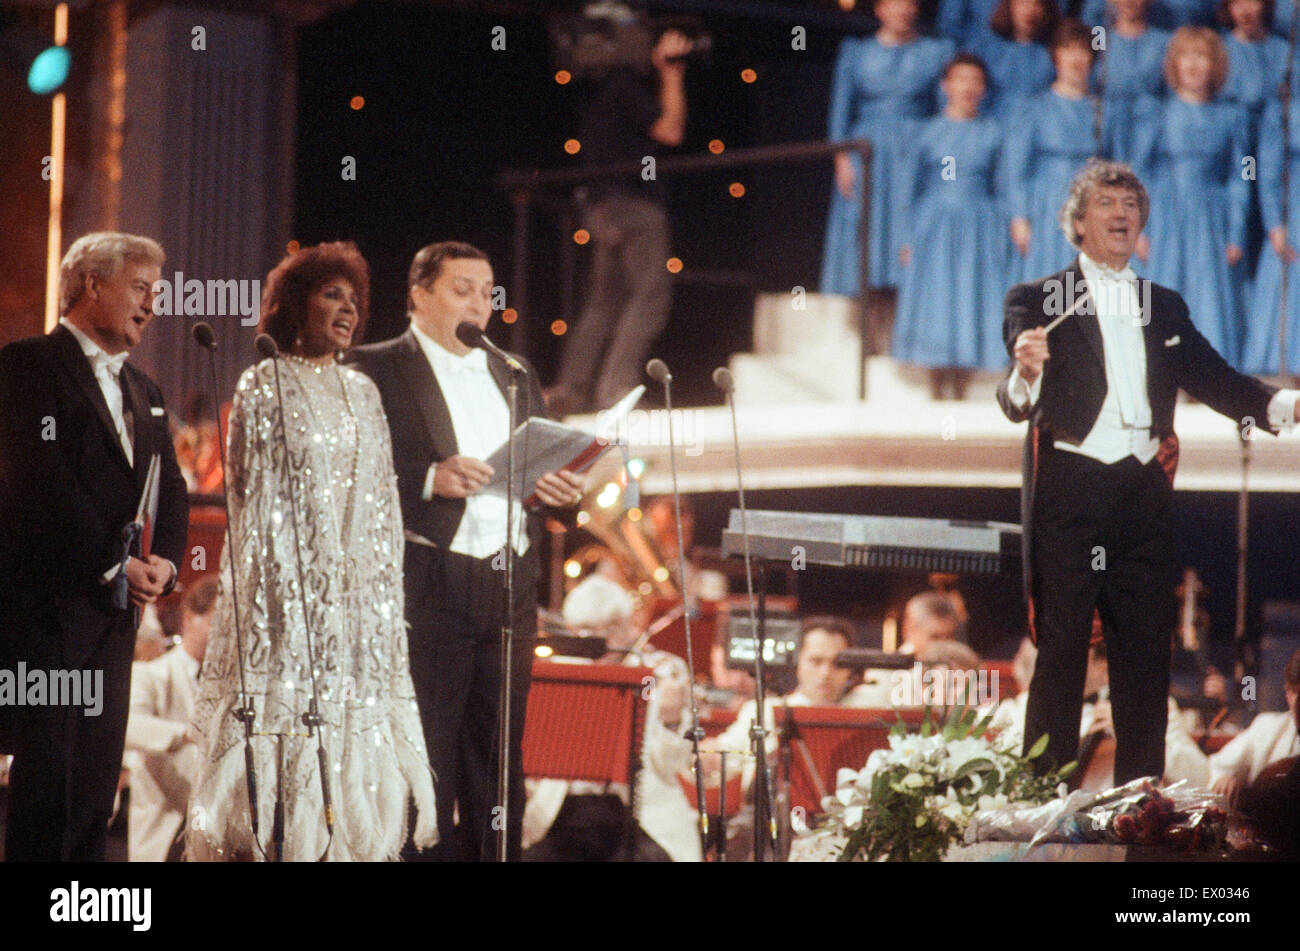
{"type": "Point", "coordinates": [914, 800]}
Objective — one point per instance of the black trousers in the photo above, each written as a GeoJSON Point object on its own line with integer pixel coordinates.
{"type": "Point", "coordinates": [454, 607]}
{"type": "Point", "coordinates": [1101, 541]}
{"type": "Point", "coordinates": [629, 298]}
{"type": "Point", "coordinates": [66, 765]}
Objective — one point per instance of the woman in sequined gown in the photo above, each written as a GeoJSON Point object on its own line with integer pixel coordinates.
{"type": "Point", "coordinates": [338, 475]}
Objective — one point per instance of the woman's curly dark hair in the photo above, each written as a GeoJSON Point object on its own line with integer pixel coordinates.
{"type": "Point", "coordinates": [291, 283]}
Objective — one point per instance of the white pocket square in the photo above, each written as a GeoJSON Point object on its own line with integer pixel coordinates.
{"type": "Point", "coordinates": [157, 410]}
{"type": "Point", "coordinates": [1173, 341]}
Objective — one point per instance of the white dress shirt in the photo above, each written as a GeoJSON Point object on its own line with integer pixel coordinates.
{"type": "Point", "coordinates": [481, 420]}
{"type": "Point", "coordinates": [107, 370]}
{"type": "Point", "coordinates": [1123, 425]}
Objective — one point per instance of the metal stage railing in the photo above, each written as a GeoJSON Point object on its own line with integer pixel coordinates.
{"type": "Point", "coordinates": [524, 186]}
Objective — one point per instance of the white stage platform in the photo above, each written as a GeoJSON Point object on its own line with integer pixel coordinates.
{"type": "Point", "coordinates": [801, 425]}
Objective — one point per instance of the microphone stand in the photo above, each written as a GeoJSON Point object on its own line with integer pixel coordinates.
{"type": "Point", "coordinates": [471, 335]}
{"type": "Point", "coordinates": [508, 623]}
{"type": "Point", "coordinates": [312, 718]}
{"type": "Point", "coordinates": [243, 711]}
{"type": "Point", "coordinates": [764, 811]}
{"type": "Point", "coordinates": [658, 370]}
{"type": "Point", "coordinates": [1245, 660]}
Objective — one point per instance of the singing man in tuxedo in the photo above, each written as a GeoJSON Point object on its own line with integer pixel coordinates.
{"type": "Point", "coordinates": [1099, 392]}
{"type": "Point", "coordinates": [446, 407]}
{"type": "Point", "coordinates": [77, 432]}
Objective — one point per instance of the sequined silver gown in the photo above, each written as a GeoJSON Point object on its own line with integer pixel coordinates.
{"type": "Point", "coordinates": [339, 470]}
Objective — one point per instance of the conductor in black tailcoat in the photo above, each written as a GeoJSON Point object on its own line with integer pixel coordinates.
{"type": "Point", "coordinates": [77, 430]}
{"type": "Point", "coordinates": [1099, 392]}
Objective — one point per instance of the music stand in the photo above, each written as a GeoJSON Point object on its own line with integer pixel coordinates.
{"type": "Point", "coordinates": [827, 739]}
{"type": "Point", "coordinates": [587, 722]}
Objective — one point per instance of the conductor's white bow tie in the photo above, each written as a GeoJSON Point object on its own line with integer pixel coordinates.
{"type": "Point", "coordinates": [1125, 273]}
{"type": "Point", "coordinates": [112, 364]}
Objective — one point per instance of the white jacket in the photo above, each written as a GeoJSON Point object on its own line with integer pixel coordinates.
{"type": "Point", "coordinates": [162, 700]}
{"type": "Point", "coordinates": [1269, 738]}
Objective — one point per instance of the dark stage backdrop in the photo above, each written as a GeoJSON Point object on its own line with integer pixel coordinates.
{"type": "Point", "coordinates": [444, 112]}
{"type": "Point", "coordinates": [206, 171]}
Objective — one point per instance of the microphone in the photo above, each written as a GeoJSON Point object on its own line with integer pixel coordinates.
{"type": "Point", "coordinates": [244, 711]}
{"type": "Point", "coordinates": [657, 370]}
{"type": "Point", "coordinates": [471, 335]}
{"type": "Point", "coordinates": [204, 336]}
{"type": "Point", "coordinates": [701, 47]}
{"type": "Point", "coordinates": [724, 380]}
{"type": "Point", "coordinates": [312, 719]}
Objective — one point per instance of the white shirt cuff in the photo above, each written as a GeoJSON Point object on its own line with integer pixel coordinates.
{"type": "Point", "coordinates": [1281, 410]}
{"type": "Point", "coordinates": [1023, 393]}
{"type": "Point", "coordinates": [427, 492]}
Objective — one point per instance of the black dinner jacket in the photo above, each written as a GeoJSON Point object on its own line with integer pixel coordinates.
{"type": "Point", "coordinates": [422, 430]}
{"type": "Point", "coordinates": [1074, 377]}
{"type": "Point", "coordinates": [66, 492]}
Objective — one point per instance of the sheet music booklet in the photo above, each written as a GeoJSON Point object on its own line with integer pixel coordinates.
{"type": "Point", "coordinates": [552, 446]}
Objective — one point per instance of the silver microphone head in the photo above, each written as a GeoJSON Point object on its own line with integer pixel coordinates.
{"type": "Point", "coordinates": [724, 380]}
{"type": "Point", "coordinates": [657, 370]}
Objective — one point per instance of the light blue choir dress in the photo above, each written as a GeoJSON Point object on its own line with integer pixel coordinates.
{"type": "Point", "coordinates": [1016, 72]}
{"type": "Point", "coordinates": [1260, 354]}
{"type": "Point", "coordinates": [1165, 14]}
{"type": "Point", "coordinates": [950, 301]}
{"type": "Point", "coordinates": [1190, 157]}
{"type": "Point", "coordinates": [1049, 139]}
{"type": "Point", "coordinates": [1255, 71]}
{"type": "Point", "coordinates": [879, 93]}
{"type": "Point", "coordinates": [1130, 68]}
{"type": "Point", "coordinates": [1282, 19]}
{"type": "Point", "coordinates": [965, 21]}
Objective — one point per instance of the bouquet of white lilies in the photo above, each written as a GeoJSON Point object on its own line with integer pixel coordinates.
{"type": "Point", "coordinates": [912, 801]}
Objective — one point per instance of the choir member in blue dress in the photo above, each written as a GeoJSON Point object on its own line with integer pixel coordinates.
{"type": "Point", "coordinates": [1049, 139]}
{"type": "Point", "coordinates": [965, 22]}
{"type": "Point", "coordinates": [884, 84]}
{"type": "Point", "coordinates": [1015, 51]}
{"type": "Point", "coordinates": [1191, 147]}
{"type": "Point", "coordinates": [1263, 348]}
{"type": "Point", "coordinates": [1256, 65]}
{"type": "Point", "coordinates": [956, 256]}
{"type": "Point", "coordinates": [1130, 66]}
{"type": "Point", "coordinates": [1283, 14]}
{"type": "Point", "coordinates": [1166, 15]}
